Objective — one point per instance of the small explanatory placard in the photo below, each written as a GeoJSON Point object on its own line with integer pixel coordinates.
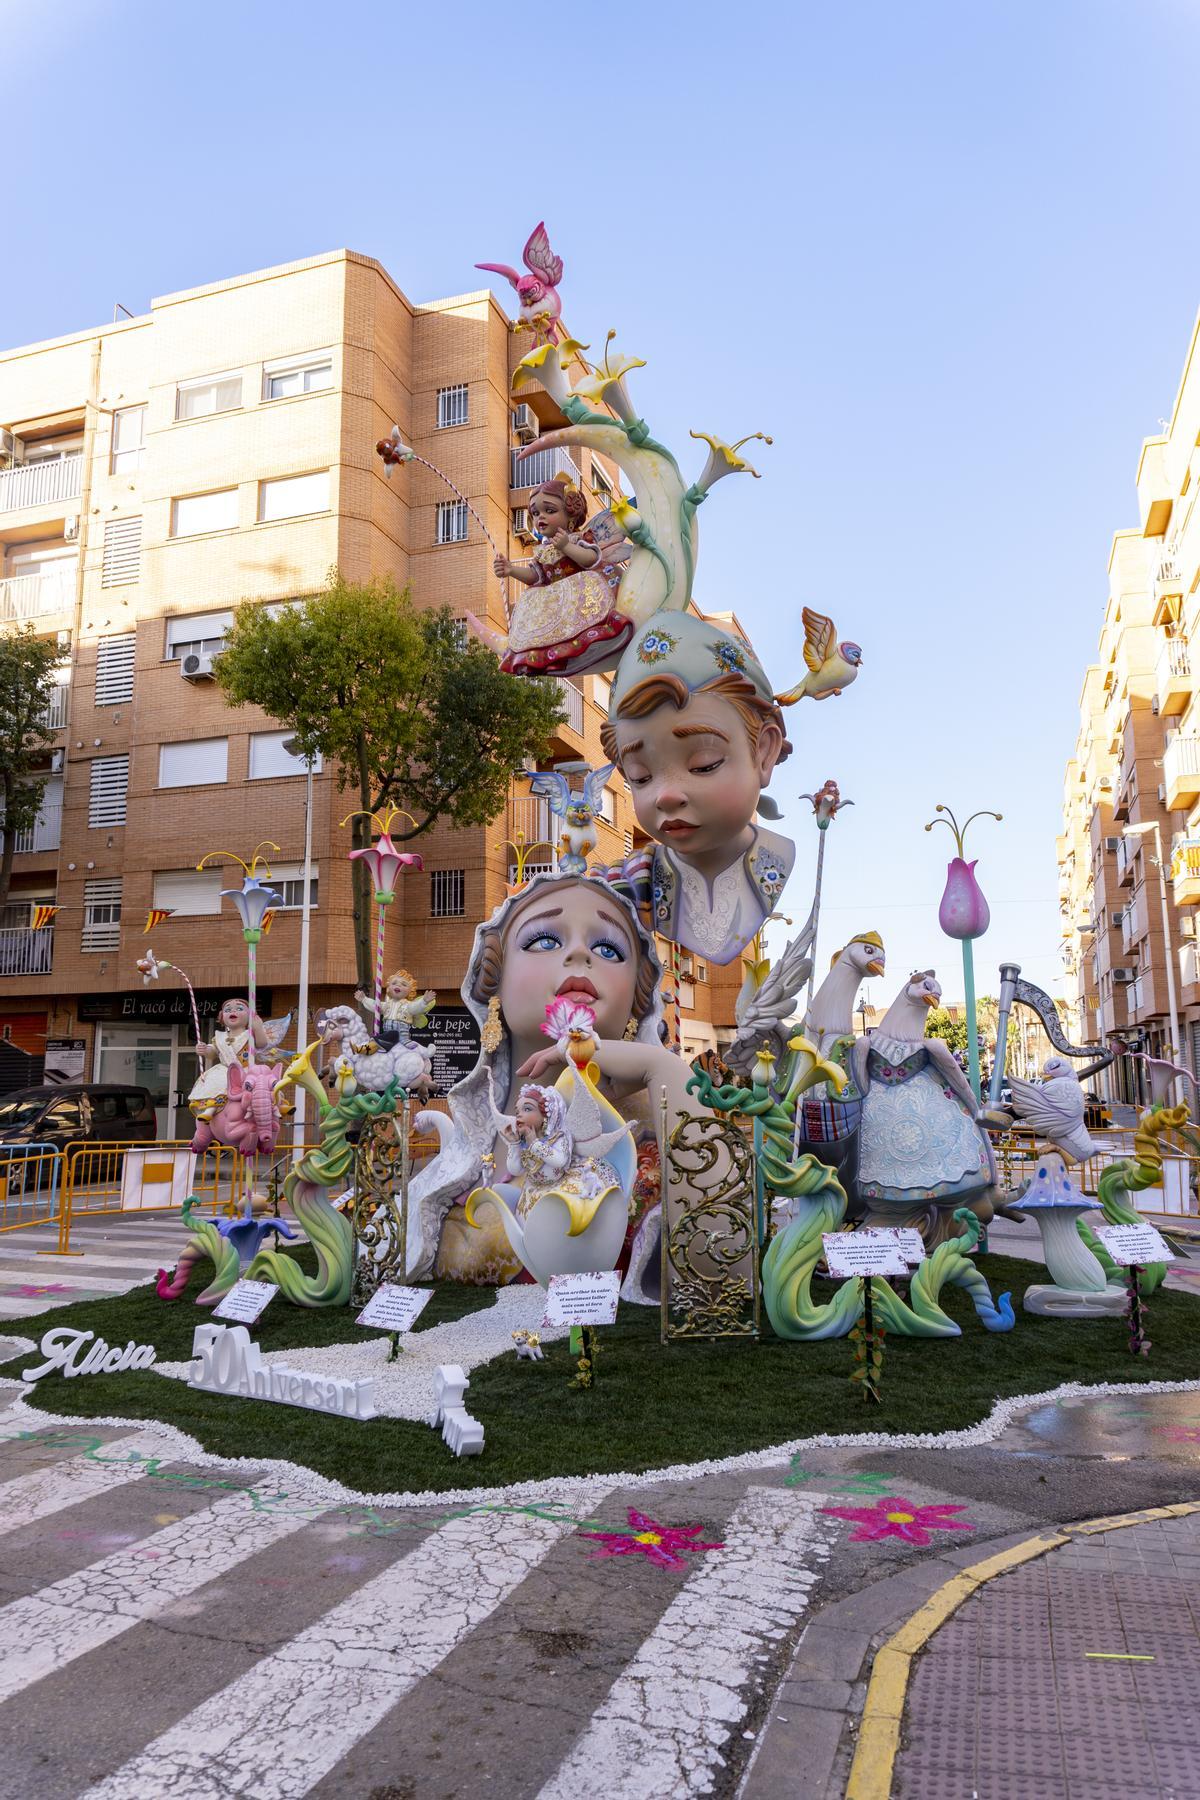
{"type": "Point", "coordinates": [586, 1298]}
{"type": "Point", "coordinates": [246, 1301]}
{"type": "Point", "coordinates": [394, 1308]}
{"type": "Point", "coordinates": [1134, 1244]}
{"type": "Point", "coordinates": [908, 1240]}
{"type": "Point", "coordinates": [851, 1253]}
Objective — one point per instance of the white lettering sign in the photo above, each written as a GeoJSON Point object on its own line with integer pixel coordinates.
{"type": "Point", "coordinates": [586, 1298]}
{"type": "Point", "coordinates": [463, 1433]}
{"type": "Point", "coordinates": [227, 1362]}
{"type": "Point", "coordinates": [863, 1253]}
{"type": "Point", "coordinates": [246, 1301]}
{"type": "Point", "coordinates": [1130, 1244]}
{"type": "Point", "coordinates": [61, 1348]}
{"type": "Point", "coordinates": [394, 1308]}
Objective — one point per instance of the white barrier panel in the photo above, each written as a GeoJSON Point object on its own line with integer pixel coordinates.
{"type": "Point", "coordinates": [154, 1177]}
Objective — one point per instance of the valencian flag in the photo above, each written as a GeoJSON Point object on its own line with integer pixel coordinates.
{"type": "Point", "coordinates": [156, 915]}
{"type": "Point", "coordinates": [42, 916]}
{"type": "Point", "coordinates": [268, 919]}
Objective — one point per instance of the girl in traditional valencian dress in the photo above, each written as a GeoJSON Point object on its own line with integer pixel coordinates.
{"type": "Point", "coordinates": [570, 614]}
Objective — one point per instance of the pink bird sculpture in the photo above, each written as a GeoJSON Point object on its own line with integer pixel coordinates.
{"type": "Point", "coordinates": [537, 291]}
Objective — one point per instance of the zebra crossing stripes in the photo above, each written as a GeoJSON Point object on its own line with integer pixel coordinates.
{"type": "Point", "coordinates": [293, 1717]}
{"type": "Point", "coordinates": [27, 1498]}
{"type": "Point", "coordinates": [663, 1724]}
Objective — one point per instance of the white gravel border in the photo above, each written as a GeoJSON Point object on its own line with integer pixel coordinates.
{"type": "Point", "coordinates": [304, 1484]}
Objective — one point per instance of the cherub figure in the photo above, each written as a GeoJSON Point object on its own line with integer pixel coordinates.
{"type": "Point", "coordinates": [570, 616]}
{"type": "Point", "coordinates": [578, 810]}
{"type": "Point", "coordinates": [229, 1044]}
{"type": "Point", "coordinates": [557, 1148]}
{"type": "Point", "coordinates": [694, 728]}
{"type": "Point", "coordinates": [538, 290]}
{"type": "Point", "coordinates": [401, 1009]}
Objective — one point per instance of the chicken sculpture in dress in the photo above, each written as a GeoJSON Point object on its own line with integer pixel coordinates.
{"type": "Point", "coordinates": [831, 666]}
{"type": "Point", "coordinates": [537, 291]}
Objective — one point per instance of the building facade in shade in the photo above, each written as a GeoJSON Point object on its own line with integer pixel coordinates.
{"type": "Point", "coordinates": [157, 472]}
{"type": "Point", "coordinates": [1133, 784]}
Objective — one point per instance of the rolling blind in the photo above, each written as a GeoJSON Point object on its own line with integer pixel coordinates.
{"type": "Point", "coordinates": [108, 791]}
{"type": "Point", "coordinates": [122, 559]}
{"type": "Point", "coordinates": [114, 669]}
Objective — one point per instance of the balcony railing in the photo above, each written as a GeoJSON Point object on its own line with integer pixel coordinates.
{"type": "Point", "coordinates": [1181, 766]}
{"type": "Point", "coordinates": [1173, 676]}
{"type": "Point", "coordinates": [55, 716]}
{"type": "Point", "coordinates": [36, 596]}
{"type": "Point", "coordinates": [533, 817]}
{"type": "Point", "coordinates": [25, 952]}
{"type": "Point", "coordinates": [41, 483]}
{"type": "Point", "coordinates": [44, 834]}
{"type": "Point", "coordinates": [543, 465]}
{"type": "Point", "coordinates": [572, 701]}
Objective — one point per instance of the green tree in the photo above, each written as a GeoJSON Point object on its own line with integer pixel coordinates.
{"type": "Point", "coordinates": [406, 709]}
{"type": "Point", "coordinates": [27, 664]}
{"type": "Point", "coordinates": [939, 1023]}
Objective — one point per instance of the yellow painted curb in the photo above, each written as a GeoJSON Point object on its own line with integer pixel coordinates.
{"type": "Point", "coordinates": [883, 1710]}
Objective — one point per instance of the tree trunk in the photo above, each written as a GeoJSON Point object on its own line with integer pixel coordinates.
{"type": "Point", "coordinates": [10, 848]}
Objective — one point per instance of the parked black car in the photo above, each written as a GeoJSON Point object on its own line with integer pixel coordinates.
{"type": "Point", "coordinates": [86, 1112]}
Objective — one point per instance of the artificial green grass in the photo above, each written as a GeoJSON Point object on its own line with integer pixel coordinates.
{"type": "Point", "coordinates": [651, 1405]}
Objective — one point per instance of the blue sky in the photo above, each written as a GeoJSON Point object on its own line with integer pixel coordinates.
{"type": "Point", "coordinates": [943, 254]}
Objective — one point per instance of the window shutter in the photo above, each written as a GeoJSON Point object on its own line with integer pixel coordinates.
{"type": "Point", "coordinates": [101, 915]}
{"type": "Point", "coordinates": [114, 669]}
{"type": "Point", "coordinates": [189, 891]}
{"type": "Point", "coordinates": [109, 791]}
{"type": "Point", "coordinates": [122, 561]}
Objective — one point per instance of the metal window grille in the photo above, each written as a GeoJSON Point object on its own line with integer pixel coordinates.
{"type": "Point", "coordinates": [452, 522]}
{"type": "Point", "coordinates": [114, 669]}
{"type": "Point", "coordinates": [452, 406]}
{"type": "Point", "coordinates": [122, 559]}
{"type": "Point", "coordinates": [108, 791]}
{"type": "Point", "coordinates": [447, 893]}
{"type": "Point", "coordinates": [101, 915]}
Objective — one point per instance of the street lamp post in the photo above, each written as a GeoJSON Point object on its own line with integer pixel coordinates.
{"type": "Point", "coordinates": [1172, 998]}
{"type": "Point", "coordinates": [292, 746]}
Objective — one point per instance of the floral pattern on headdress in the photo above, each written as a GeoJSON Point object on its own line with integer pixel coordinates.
{"type": "Point", "coordinates": [729, 656]}
{"type": "Point", "coordinates": [656, 646]}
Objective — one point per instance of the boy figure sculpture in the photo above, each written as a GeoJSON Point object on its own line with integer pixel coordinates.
{"type": "Point", "coordinates": [695, 730]}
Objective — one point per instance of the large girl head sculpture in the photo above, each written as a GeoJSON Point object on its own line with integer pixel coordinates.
{"type": "Point", "coordinates": [573, 937]}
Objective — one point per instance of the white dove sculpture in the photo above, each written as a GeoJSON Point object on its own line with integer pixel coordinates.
{"type": "Point", "coordinates": [1054, 1108]}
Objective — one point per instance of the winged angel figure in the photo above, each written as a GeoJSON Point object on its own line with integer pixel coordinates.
{"type": "Point", "coordinates": [578, 811]}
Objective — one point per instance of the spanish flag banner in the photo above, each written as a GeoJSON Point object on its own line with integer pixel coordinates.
{"type": "Point", "coordinates": [268, 919]}
{"type": "Point", "coordinates": [42, 916]}
{"type": "Point", "coordinates": [155, 916]}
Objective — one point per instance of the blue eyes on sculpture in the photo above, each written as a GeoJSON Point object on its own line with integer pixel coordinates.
{"type": "Point", "coordinates": [608, 950]}
{"type": "Point", "coordinates": [542, 940]}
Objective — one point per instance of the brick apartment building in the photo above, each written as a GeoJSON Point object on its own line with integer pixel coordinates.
{"type": "Point", "coordinates": [158, 471]}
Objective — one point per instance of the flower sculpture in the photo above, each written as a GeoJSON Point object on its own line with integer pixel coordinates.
{"type": "Point", "coordinates": [385, 865]}
{"type": "Point", "coordinates": [964, 914]}
{"type": "Point", "coordinates": [664, 1545]}
{"type": "Point", "coordinates": [894, 1517]}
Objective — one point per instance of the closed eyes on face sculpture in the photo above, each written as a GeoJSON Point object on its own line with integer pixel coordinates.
{"type": "Point", "coordinates": [695, 775]}
{"type": "Point", "coordinates": [572, 943]}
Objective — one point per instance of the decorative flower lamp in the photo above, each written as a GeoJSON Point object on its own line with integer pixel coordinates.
{"type": "Point", "coordinates": [826, 803]}
{"type": "Point", "coordinates": [964, 914]}
{"type": "Point", "coordinates": [1079, 1288]}
{"type": "Point", "coordinates": [385, 865]}
{"type": "Point", "coordinates": [252, 901]}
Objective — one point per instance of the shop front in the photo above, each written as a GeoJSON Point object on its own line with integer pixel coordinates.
{"type": "Point", "coordinates": [148, 1039]}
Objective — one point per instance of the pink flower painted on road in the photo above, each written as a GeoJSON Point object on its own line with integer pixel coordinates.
{"type": "Point", "coordinates": [1179, 1434]}
{"type": "Point", "coordinates": [894, 1517]}
{"type": "Point", "coordinates": [663, 1544]}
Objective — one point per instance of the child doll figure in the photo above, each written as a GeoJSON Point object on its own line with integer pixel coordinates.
{"type": "Point", "coordinates": [542, 1155]}
{"type": "Point", "coordinates": [568, 620]}
{"type": "Point", "coordinates": [229, 1045]}
{"type": "Point", "coordinates": [695, 730]}
{"type": "Point", "coordinates": [401, 1009]}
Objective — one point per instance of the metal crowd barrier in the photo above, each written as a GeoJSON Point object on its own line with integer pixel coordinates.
{"type": "Point", "coordinates": [1177, 1198]}
{"type": "Point", "coordinates": [30, 1185]}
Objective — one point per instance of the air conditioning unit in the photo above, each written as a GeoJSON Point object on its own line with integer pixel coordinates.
{"type": "Point", "coordinates": [71, 528]}
{"type": "Point", "coordinates": [1123, 977]}
{"type": "Point", "coordinates": [8, 444]}
{"type": "Point", "coordinates": [1118, 918]}
{"type": "Point", "coordinates": [1110, 844]}
{"type": "Point", "coordinates": [58, 761]}
{"type": "Point", "coordinates": [198, 666]}
{"type": "Point", "coordinates": [524, 424]}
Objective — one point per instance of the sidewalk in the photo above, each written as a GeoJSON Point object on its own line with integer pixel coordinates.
{"type": "Point", "coordinates": [1075, 1677]}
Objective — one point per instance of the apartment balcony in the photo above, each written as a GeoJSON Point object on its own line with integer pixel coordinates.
{"type": "Point", "coordinates": [1189, 969]}
{"type": "Point", "coordinates": [58, 711]}
{"type": "Point", "coordinates": [25, 597]}
{"type": "Point", "coordinates": [530, 819]}
{"type": "Point", "coordinates": [44, 834]}
{"type": "Point", "coordinates": [41, 483]}
{"type": "Point", "coordinates": [1131, 928]}
{"type": "Point", "coordinates": [1173, 678]}
{"type": "Point", "coordinates": [542, 465]}
{"type": "Point", "coordinates": [1185, 871]}
{"type": "Point", "coordinates": [26, 952]}
{"type": "Point", "coordinates": [1126, 852]}
{"type": "Point", "coordinates": [1181, 770]}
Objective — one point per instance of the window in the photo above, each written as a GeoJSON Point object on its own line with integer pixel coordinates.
{"type": "Point", "coordinates": [108, 791]}
{"type": "Point", "coordinates": [608, 805]}
{"type": "Point", "coordinates": [122, 559]}
{"type": "Point", "coordinates": [452, 522]}
{"type": "Point", "coordinates": [447, 893]}
{"type": "Point", "coordinates": [101, 915]}
{"type": "Point", "coordinates": [289, 375]}
{"type": "Point", "coordinates": [293, 495]}
{"type": "Point", "coordinates": [287, 879]}
{"type": "Point", "coordinates": [193, 764]}
{"type": "Point", "coordinates": [128, 439]}
{"type": "Point", "coordinates": [114, 669]}
{"type": "Point", "coordinates": [195, 513]}
{"type": "Point", "coordinates": [452, 406]}
{"type": "Point", "coordinates": [212, 394]}
{"type": "Point", "coordinates": [197, 634]}
{"type": "Point", "coordinates": [601, 485]}
{"type": "Point", "coordinates": [189, 892]}
{"type": "Point", "coordinates": [602, 692]}
{"type": "Point", "coordinates": [268, 756]}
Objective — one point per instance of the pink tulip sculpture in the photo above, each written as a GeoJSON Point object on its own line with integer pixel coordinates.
{"type": "Point", "coordinates": [964, 914]}
{"type": "Point", "coordinates": [385, 864]}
